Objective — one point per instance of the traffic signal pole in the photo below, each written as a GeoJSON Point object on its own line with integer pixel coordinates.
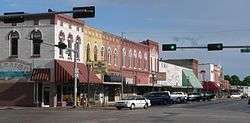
{"type": "Point", "coordinates": [19, 17]}
{"type": "Point", "coordinates": [226, 47]}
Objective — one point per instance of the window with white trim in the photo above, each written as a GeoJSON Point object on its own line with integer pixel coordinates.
{"type": "Point", "coordinates": [70, 40]}
{"type": "Point", "coordinates": [61, 39]}
{"type": "Point", "coordinates": [14, 37]}
{"type": "Point", "coordinates": [130, 58]}
{"type": "Point", "coordinates": [123, 57]}
{"type": "Point", "coordinates": [95, 53]}
{"type": "Point", "coordinates": [109, 55]}
{"type": "Point", "coordinates": [135, 58]}
{"type": "Point", "coordinates": [139, 60]}
{"type": "Point", "coordinates": [145, 60]}
{"type": "Point", "coordinates": [115, 57]}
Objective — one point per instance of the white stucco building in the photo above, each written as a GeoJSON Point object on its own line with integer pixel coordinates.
{"type": "Point", "coordinates": [22, 56]}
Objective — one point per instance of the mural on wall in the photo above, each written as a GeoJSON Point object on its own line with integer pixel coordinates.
{"type": "Point", "coordinates": [14, 69]}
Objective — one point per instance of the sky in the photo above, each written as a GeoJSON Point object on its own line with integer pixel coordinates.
{"type": "Point", "coordinates": [183, 22]}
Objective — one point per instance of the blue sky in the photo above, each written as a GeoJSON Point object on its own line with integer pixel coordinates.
{"type": "Point", "coordinates": [184, 22]}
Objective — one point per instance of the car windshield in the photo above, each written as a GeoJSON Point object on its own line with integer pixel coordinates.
{"type": "Point", "coordinates": [130, 98]}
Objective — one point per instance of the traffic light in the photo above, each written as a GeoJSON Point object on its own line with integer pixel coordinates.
{"type": "Point", "coordinates": [84, 12]}
{"type": "Point", "coordinates": [246, 50]}
{"type": "Point", "coordinates": [168, 47]}
{"type": "Point", "coordinates": [212, 47]}
{"type": "Point", "coordinates": [61, 45]}
{"type": "Point", "coordinates": [13, 17]}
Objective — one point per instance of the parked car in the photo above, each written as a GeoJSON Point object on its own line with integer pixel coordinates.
{"type": "Point", "coordinates": [178, 97]}
{"type": "Point", "coordinates": [159, 97]}
{"type": "Point", "coordinates": [207, 96]}
{"type": "Point", "coordinates": [243, 96]}
{"type": "Point", "coordinates": [133, 102]}
{"type": "Point", "coordinates": [236, 95]}
{"type": "Point", "coordinates": [194, 97]}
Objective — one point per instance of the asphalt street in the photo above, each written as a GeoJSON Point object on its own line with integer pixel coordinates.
{"type": "Point", "coordinates": [216, 111]}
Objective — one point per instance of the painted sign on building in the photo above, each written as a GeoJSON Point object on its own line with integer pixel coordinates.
{"type": "Point", "coordinates": [13, 69]}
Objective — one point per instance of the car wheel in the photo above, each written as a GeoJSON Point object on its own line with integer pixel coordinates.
{"type": "Point", "coordinates": [119, 108]}
{"type": "Point", "coordinates": [145, 106]}
{"type": "Point", "coordinates": [132, 107]}
{"type": "Point", "coordinates": [178, 100]}
{"type": "Point", "coordinates": [165, 102]}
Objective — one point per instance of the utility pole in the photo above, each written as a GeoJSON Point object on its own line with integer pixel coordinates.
{"type": "Point", "coordinates": [75, 77]}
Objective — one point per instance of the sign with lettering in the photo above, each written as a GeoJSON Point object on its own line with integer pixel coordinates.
{"type": "Point", "coordinates": [14, 68]}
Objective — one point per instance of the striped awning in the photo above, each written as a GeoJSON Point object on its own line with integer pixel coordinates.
{"type": "Point", "coordinates": [64, 73]}
{"type": "Point", "coordinates": [40, 74]}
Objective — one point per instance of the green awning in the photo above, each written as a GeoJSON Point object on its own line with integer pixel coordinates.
{"type": "Point", "coordinates": [189, 79]}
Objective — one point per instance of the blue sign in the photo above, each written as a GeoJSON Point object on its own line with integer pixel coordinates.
{"type": "Point", "coordinates": [14, 74]}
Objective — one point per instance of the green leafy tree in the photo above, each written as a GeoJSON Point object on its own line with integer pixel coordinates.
{"type": "Point", "coordinates": [228, 78]}
{"type": "Point", "coordinates": [246, 81]}
{"type": "Point", "coordinates": [235, 80]}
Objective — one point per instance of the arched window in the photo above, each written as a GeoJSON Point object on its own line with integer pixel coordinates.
{"type": "Point", "coordinates": [115, 57]}
{"type": "Point", "coordinates": [123, 57]}
{"type": "Point", "coordinates": [102, 52]}
{"type": "Point", "coordinates": [70, 40]}
{"type": "Point", "coordinates": [95, 53]}
{"type": "Point", "coordinates": [139, 59]}
{"type": "Point", "coordinates": [145, 60]}
{"type": "Point", "coordinates": [36, 37]}
{"type": "Point", "coordinates": [109, 56]}
{"type": "Point", "coordinates": [61, 39]}
{"type": "Point", "coordinates": [13, 37]}
{"type": "Point", "coordinates": [130, 58]}
{"type": "Point", "coordinates": [135, 57]}
{"type": "Point", "coordinates": [77, 46]}
{"type": "Point", "coordinates": [88, 53]}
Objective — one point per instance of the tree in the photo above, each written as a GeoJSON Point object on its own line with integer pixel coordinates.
{"type": "Point", "coordinates": [235, 80]}
{"type": "Point", "coordinates": [246, 81]}
{"type": "Point", "coordinates": [228, 78]}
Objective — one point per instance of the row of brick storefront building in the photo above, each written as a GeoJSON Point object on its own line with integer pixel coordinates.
{"type": "Point", "coordinates": [46, 75]}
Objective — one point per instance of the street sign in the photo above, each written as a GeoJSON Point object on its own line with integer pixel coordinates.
{"type": "Point", "coordinates": [99, 67]}
{"type": "Point", "coordinates": [246, 50]}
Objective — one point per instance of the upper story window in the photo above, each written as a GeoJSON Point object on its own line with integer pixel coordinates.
{"type": "Point", "coordinates": [61, 39]}
{"type": "Point", "coordinates": [109, 55]}
{"type": "Point", "coordinates": [102, 52]}
{"type": "Point", "coordinates": [13, 38]}
{"type": "Point", "coordinates": [70, 26]}
{"type": "Point", "coordinates": [130, 58]}
{"type": "Point", "coordinates": [88, 52]}
{"type": "Point", "coordinates": [140, 59]}
{"type": "Point", "coordinates": [77, 29]}
{"type": "Point", "coordinates": [61, 23]}
{"type": "Point", "coordinates": [95, 53]}
{"type": "Point", "coordinates": [135, 57]}
{"type": "Point", "coordinates": [115, 57]}
{"type": "Point", "coordinates": [70, 41]}
{"type": "Point", "coordinates": [145, 60]}
{"type": "Point", "coordinates": [77, 47]}
{"type": "Point", "coordinates": [36, 37]}
{"type": "Point", "coordinates": [36, 22]}
{"type": "Point", "coordinates": [123, 57]}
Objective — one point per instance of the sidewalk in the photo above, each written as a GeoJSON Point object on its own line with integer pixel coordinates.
{"type": "Point", "coordinates": [11, 108]}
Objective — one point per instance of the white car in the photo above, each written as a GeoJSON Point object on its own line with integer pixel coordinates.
{"type": "Point", "coordinates": [178, 97]}
{"type": "Point", "coordinates": [236, 95]}
{"type": "Point", "coordinates": [133, 102]}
